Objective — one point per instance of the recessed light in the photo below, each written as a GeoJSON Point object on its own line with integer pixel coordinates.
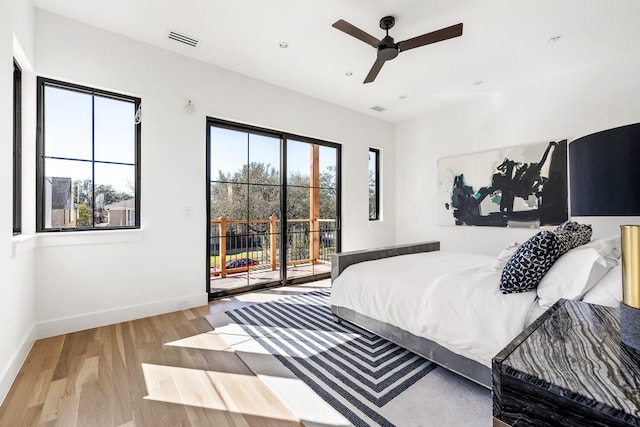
{"type": "Point", "coordinates": [402, 97]}
{"type": "Point", "coordinates": [555, 38]}
{"type": "Point", "coordinates": [349, 73]}
{"type": "Point", "coordinates": [478, 82]}
{"type": "Point", "coordinates": [283, 45]}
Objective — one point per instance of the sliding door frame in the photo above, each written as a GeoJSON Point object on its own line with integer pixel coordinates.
{"type": "Point", "coordinates": [283, 137]}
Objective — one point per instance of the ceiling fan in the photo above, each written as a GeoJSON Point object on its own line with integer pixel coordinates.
{"type": "Point", "coordinates": [387, 47]}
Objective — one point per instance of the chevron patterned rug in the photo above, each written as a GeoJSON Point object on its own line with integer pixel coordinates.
{"type": "Point", "coordinates": [364, 380]}
{"type": "Point", "coordinates": [353, 370]}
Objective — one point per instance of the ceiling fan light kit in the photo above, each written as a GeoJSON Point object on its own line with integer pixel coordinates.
{"type": "Point", "coordinates": [387, 48]}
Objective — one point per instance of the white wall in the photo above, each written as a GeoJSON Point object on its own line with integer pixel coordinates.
{"type": "Point", "coordinates": [16, 254]}
{"type": "Point", "coordinates": [570, 106]}
{"type": "Point", "coordinates": [85, 279]}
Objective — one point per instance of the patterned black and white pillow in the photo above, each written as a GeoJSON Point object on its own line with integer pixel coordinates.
{"type": "Point", "coordinates": [566, 226]}
{"type": "Point", "coordinates": [581, 233]}
{"type": "Point", "coordinates": [566, 240]}
{"type": "Point", "coordinates": [531, 261]}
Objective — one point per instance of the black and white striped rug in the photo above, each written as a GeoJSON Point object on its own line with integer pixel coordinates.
{"type": "Point", "coordinates": [356, 372]}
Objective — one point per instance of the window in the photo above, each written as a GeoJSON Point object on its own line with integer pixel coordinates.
{"type": "Point", "coordinates": [374, 184]}
{"type": "Point", "coordinates": [88, 158]}
{"type": "Point", "coordinates": [17, 148]}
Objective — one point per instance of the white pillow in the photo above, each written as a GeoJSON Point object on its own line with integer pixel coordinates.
{"type": "Point", "coordinates": [608, 291]}
{"type": "Point", "coordinates": [606, 246]}
{"type": "Point", "coordinates": [572, 275]}
{"type": "Point", "coordinates": [505, 255]}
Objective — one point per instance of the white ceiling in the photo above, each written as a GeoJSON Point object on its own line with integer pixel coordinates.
{"type": "Point", "coordinates": [504, 44]}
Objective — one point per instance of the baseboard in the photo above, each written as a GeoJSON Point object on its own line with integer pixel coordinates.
{"type": "Point", "coordinates": [81, 322]}
{"type": "Point", "coordinates": [10, 373]}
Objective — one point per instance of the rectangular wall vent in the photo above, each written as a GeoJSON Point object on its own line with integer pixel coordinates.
{"type": "Point", "coordinates": [378, 108]}
{"type": "Point", "coordinates": [183, 38]}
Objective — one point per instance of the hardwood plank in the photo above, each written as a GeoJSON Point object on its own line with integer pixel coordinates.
{"type": "Point", "coordinates": [114, 377]}
{"type": "Point", "coordinates": [189, 315]}
{"type": "Point", "coordinates": [119, 344]}
{"type": "Point", "coordinates": [207, 416]}
{"type": "Point", "coordinates": [47, 352]}
{"type": "Point", "coordinates": [160, 414]}
{"type": "Point", "coordinates": [68, 410]}
{"type": "Point", "coordinates": [88, 372]}
{"type": "Point", "coordinates": [27, 417]}
{"type": "Point", "coordinates": [75, 345]}
{"type": "Point", "coordinates": [40, 388]}
{"type": "Point", "coordinates": [52, 401]}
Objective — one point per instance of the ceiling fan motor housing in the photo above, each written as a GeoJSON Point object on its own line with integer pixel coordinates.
{"type": "Point", "coordinates": [388, 49]}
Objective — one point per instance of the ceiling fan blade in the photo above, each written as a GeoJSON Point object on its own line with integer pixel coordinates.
{"type": "Point", "coordinates": [373, 73]}
{"type": "Point", "coordinates": [432, 37]}
{"type": "Point", "coordinates": [356, 32]}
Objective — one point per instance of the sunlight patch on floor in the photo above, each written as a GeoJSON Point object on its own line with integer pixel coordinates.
{"type": "Point", "coordinates": [205, 341]}
{"type": "Point", "coordinates": [221, 391]}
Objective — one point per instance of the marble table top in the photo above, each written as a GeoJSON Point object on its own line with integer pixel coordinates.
{"type": "Point", "coordinates": [576, 353]}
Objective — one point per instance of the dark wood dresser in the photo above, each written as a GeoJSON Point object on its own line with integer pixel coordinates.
{"type": "Point", "coordinates": [568, 369]}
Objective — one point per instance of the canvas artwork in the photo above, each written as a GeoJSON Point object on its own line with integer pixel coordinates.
{"type": "Point", "coordinates": [523, 186]}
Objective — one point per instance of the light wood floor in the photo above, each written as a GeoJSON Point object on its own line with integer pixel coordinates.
{"type": "Point", "coordinates": [167, 370]}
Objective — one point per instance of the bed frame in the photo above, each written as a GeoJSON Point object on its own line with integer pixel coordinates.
{"type": "Point", "coordinates": [428, 349]}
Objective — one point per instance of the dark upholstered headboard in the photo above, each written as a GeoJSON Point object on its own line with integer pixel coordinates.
{"type": "Point", "coordinates": [342, 260]}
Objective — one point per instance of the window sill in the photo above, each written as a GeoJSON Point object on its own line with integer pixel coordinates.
{"type": "Point", "coordinates": [23, 243]}
{"type": "Point", "coordinates": [79, 238]}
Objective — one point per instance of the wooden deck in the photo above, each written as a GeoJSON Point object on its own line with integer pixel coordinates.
{"type": "Point", "coordinates": [260, 276]}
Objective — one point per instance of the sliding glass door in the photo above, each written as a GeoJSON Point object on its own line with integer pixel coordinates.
{"type": "Point", "coordinates": [311, 208]}
{"type": "Point", "coordinates": [272, 197]}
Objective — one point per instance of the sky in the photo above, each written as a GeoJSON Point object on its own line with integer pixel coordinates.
{"type": "Point", "coordinates": [232, 149]}
{"type": "Point", "coordinates": [68, 134]}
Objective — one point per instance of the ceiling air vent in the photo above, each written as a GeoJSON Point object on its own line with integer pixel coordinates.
{"type": "Point", "coordinates": [378, 108]}
{"type": "Point", "coordinates": [173, 35]}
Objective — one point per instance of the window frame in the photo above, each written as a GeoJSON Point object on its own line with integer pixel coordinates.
{"type": "Point", "coordinates": [17, 148]}
{"type": "Point", "coordinates": [284, 138]}
{"type": "Point", "coordinates": [376, 186]}
{"type": "Point", "coordinates": [42, 83]}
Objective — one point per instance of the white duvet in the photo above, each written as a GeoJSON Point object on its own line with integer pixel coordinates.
{"type": "Point", "coordinates": [451, 298]}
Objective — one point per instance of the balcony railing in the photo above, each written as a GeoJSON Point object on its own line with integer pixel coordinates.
{"type": "Point", "coordinates": [257, 241]}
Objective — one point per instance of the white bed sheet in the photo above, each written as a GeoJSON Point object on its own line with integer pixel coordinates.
{"type": "Point", "coordinates": [451, 298]}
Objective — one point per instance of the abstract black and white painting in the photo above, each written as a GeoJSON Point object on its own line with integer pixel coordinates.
{"type": "Point", "coordinates": [523, 186]}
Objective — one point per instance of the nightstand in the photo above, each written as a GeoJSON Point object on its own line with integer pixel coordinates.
{"type": "Point", "coordinates": [568, 368]}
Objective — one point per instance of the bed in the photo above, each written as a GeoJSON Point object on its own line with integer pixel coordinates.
{"type": "Point", "coordinates": [447, 306]}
